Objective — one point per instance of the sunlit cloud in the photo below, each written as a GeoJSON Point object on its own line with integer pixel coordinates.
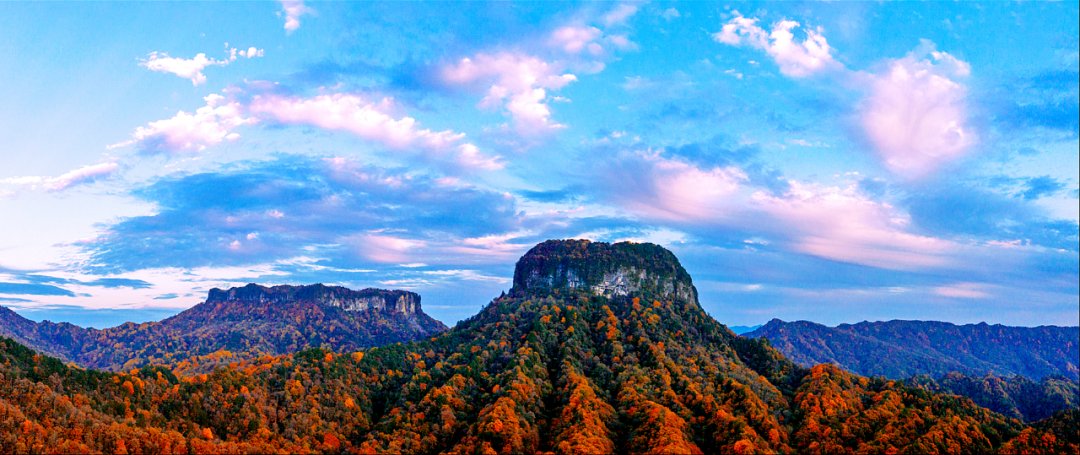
{"type": "Point", "coordinates": [293, 10]}
{"type": "Point", "coordinates": [75, 177]}
{"type": "Point", "coordinates": [795, 58]}
{"type": "Point", "coordinates": [192, 68]}
{"type": "Point", "coordinates": [916, 116]}
{"type": "Point", "coordinates": [371, 120]}
{"type": "Point", "coordinates": [209, 125]}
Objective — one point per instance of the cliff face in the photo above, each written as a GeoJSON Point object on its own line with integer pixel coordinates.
{"type": "Point", "coordinates": [609, 270]}
{"type": "Point", "coordinates": [247, 321]}
{"type": "Point", "coordinates": [401, 302]}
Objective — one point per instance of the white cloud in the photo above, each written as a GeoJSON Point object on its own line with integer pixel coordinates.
{"type": "Point", "coordinates": [573, 39]}
{"type": "Point", "coordinates": [76, 177]}
{"type": "Point", "coordinates": [518, 82]}
{"type": "Point", "coordinates": [192, 68]}
{"type": "Point", "coordinates": [370, 120]}
{"type": "Point", "coordinates": [619, 15]}
{"type": "Point", "coordinates": [293, 10]}
{"type": "Point", "coordinates": [192, 132]}
{"type": "Point", "coordinates": [916, 114]}
{"type": "Point", "coordinates": [82, 175]}
{"type": "Point", "coordinates": [963, 291]}
{"type": "Point", "coordinates": [795, 59]}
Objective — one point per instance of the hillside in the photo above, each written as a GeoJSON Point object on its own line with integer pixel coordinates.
{"type": "Point", "coordinates": [575, 359]}
{"type": "Point", "coordinates": [901, 349]}
{"type": "Point", "coordinates": [1014, 396]}
{"type": "Point", "coordinates": [236, 324]}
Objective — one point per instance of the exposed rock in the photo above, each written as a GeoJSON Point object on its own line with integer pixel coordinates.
{"type": "Point", "coordinates": [403, 302]}
{"type": "Point", "coordinates": [611, 270]}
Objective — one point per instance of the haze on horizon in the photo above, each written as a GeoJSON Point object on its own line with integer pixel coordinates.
{"type": "Point", "coordinates": [831, 162]}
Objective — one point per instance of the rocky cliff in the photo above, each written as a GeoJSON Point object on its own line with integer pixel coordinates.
{"type": "Point", "coordinates": [606, 269]}
{"type": "Point", "coordinates": [402, 302]}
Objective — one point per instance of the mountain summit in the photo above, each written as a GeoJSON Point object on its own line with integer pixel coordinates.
{"type": "Point", "coordinates": [238, 323]}
{"type": "Point", "coordinates": [603, 269]}
{"type": "Point", "coordinates": [401, 302]}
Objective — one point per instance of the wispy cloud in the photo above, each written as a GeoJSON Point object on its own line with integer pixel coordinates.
{"type": "Point", "coordinates": [76, 177]}
{"type": "Point", "coordinates": [370, 120]}
{"type": "Point", "coordinates": [274, 210]}
{"type": "Point", "coordinates": [192, 68]}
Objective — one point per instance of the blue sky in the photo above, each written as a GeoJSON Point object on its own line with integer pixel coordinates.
{"type": "Point", "coordinates": [835, 162]}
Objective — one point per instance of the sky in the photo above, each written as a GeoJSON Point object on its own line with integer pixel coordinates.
{"type": "Point", "coordinates": [833, 162]}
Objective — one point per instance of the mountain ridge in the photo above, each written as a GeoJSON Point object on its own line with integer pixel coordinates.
{"type": "Point", "coordinates": [238, 323]}
{"type": "Point", "coordinates": [898, 349]}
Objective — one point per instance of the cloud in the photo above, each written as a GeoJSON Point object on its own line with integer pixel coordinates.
{"type": "Point", "coordinates": [192, 68]}
{"type": "Point", "coordinates": [293, 11]}
{"type": "Point", "coordinates": [795, 59]}
{"type": "Point", "coordinates": [574, 39]}
{"type": "Point", "coordinates": [916, 116]}
{"type": "Point", "coordinates": [192, 132]}
{"type": "Point", "coordinates": [963, 291]}
{"type": "Point", "coordinates": [842, 224]}
{"type": "Point", "coordinates": [519, 83]}
{"type": "Point", "coordinates": [370, 120]}
{"type": "Point", "coordinates": [674, 189]}
{"type": "Point", "coordinates": [76, 177]}
{"type": "Point", "coordinates": [292, 203]}
{"type": "Point", "coordinates": [619, 15]}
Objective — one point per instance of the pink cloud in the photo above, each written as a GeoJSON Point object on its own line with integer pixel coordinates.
{"type": "Point", "coordinates": [619, 15]}
{"type": "Point", "coordinates": [916, 115]}
{"type": "Point", "coordinates": [82, 175]}
{"type": "Point", "coordinates": [518, 82]}
{"type": "Point", "coordinates": [370, 120]}
{"type": "Point", "coordinates": [795, 59]}
{"type": "Point", "coordinates": [963, 291]}
{"type": "Point", "coordinates": [293, 11]}
{"type": "Point", "coordinates": [676, 190]}
{"type": "Point", "coordinates": [192, 132]}
{"type": "Point", "coordinates": [73, 178]}
{"type": "Point", "coordinates": [574, 39]}
{"type": "Point", "coordinates": [844, 225]}
{"type": "Point", "coordinates": [386, 248]}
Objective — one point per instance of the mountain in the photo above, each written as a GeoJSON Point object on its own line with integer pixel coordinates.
{"type": "Point", "coordinates": [1013, 396]}
{"type": "Point", "coordinates": [236, 324]}
{"type": "Point", "coordinates": [741, 329]}
{"type": "Point", "coordinates": [901, 349]}
{"type": "Point", "coordinates": [597, 348]}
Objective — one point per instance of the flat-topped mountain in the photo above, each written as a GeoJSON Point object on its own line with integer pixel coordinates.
{"type": "Point", "coordinates": [610, 270]}
{"type": "Point", "coordinates": [238, 323]}
{"type": "Point", "coordinates": [901, 349]}
{"type": "Point", "coordinates": [402, 302]}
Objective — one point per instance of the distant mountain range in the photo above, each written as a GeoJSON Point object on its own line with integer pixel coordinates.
{"type": "Point", "coordinates": [597, 348]}
{"type": "Point", "coordinates": [237, 324]}
{"type": "Point", "coordinates": [741, 329]}
{"type": "Point", "coordinates": [902, 349]}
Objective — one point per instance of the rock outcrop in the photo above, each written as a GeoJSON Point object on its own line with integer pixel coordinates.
{"type": "Point", "coordinates": [610, 270]}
